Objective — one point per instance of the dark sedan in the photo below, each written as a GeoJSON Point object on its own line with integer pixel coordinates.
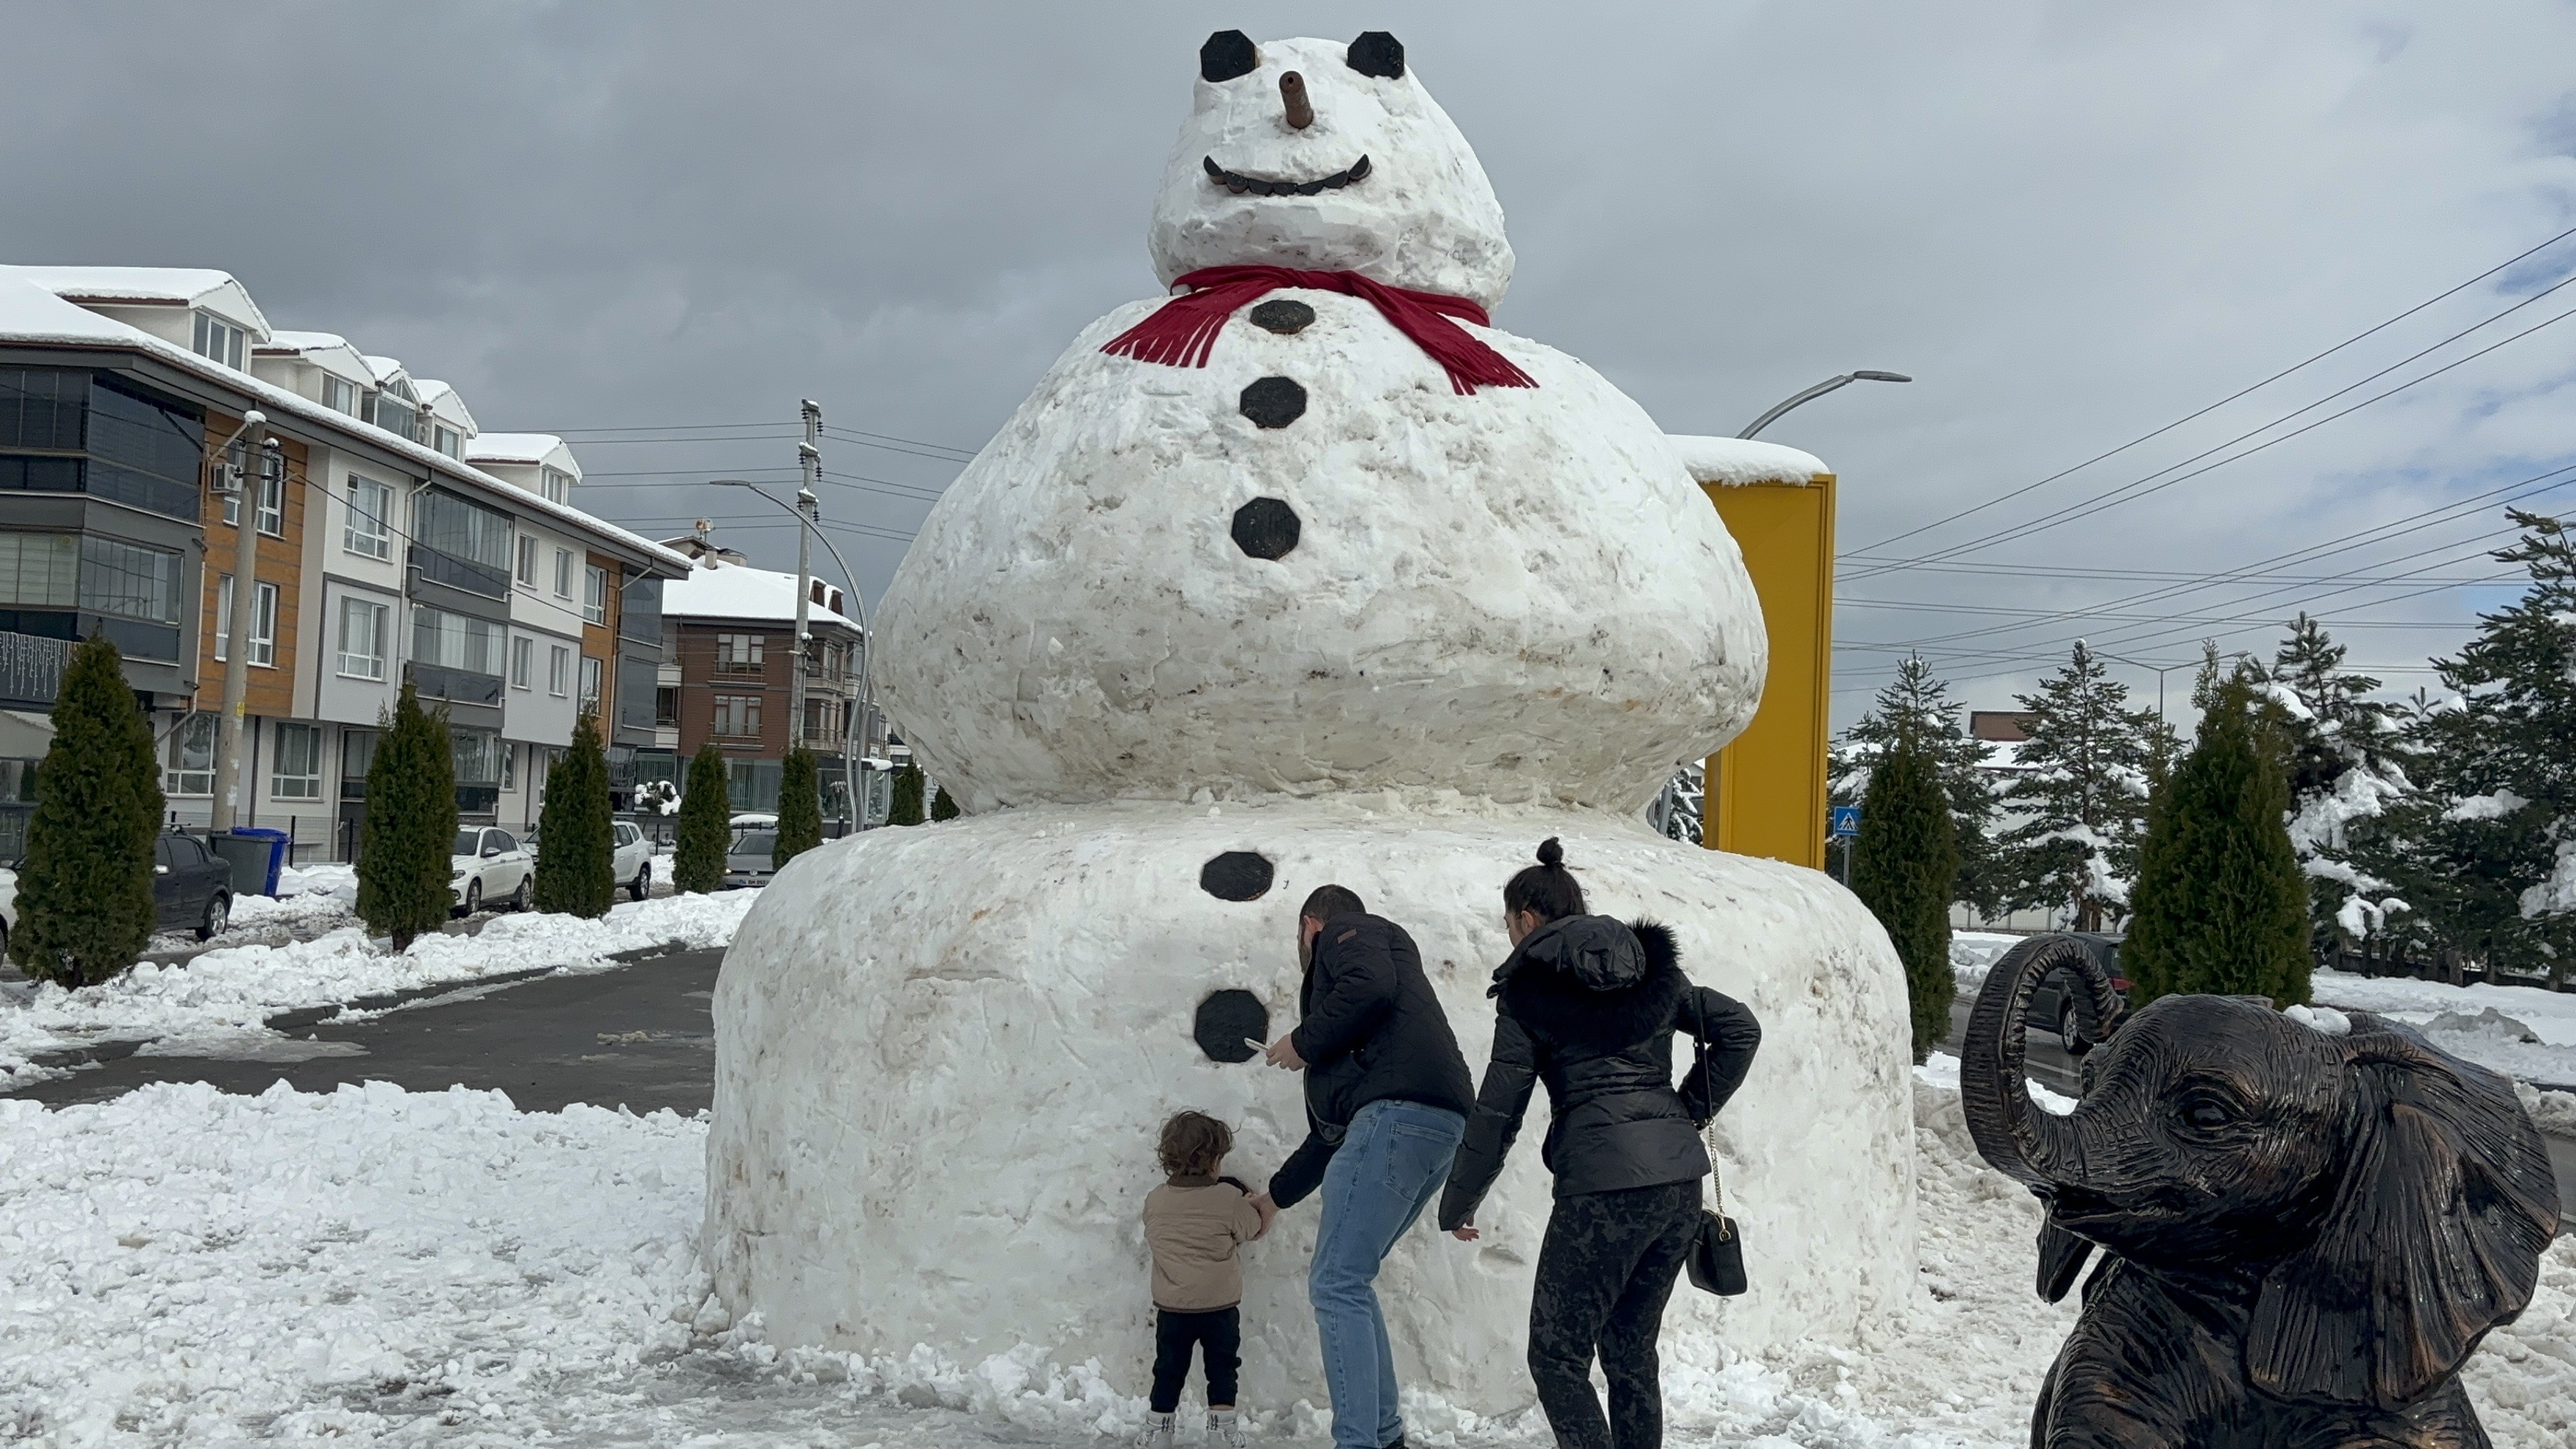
{"type": "Point", "coordinates": [2052, 1004]}
{"type": "Point", "coordinates": [192, 887]}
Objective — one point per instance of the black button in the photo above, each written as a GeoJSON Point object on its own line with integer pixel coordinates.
{"type": "Point", "coordinates": [1266, 528]}
{"type": "Point", "coordinates": [1283, 316]}
{"type": "Point", "coordinates": [1229, 1022]}
{"type": "Point", "coordinates": [1274, 402]}
{"type": "Point", "coordinates": [1237, 875]}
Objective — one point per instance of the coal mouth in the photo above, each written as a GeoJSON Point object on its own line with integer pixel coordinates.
{"type": "Point", "coordinates": [1242, 185]}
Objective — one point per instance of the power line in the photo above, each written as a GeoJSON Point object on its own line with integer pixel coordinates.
{"type": "Point", "coordinates": [2231, 397]}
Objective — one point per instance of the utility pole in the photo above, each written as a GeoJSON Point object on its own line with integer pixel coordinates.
{"type": "Point", "coordinates": [809, 459]}
{"type": "Point", "coordinates": [247, 485]}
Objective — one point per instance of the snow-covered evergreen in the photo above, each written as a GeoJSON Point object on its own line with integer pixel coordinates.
{"type": "Point", "coordinates": [1917, 702]}
{"type": "Point", "coordinates": [2348, 756]}
{"type": "Point", "coordinates": [2082, 797]}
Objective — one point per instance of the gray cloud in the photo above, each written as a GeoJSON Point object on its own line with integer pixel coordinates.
{"type": "Point", "coordinates": [2071, 224]}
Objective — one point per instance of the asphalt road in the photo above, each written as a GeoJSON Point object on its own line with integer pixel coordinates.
{"type": "Point", "coordinates": [641, 1036]}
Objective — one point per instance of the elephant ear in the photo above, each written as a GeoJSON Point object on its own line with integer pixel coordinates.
{"type": "Point", "coordinates": [2434, 1234]}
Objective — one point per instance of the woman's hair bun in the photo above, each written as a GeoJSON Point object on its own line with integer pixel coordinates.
{"type": "Point", "coordinates": [1550, 853]}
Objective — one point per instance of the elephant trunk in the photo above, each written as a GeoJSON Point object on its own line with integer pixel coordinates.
{"type": "Point", "coordinates": [2011, 1132]}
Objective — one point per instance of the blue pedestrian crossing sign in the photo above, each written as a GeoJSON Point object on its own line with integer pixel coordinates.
{"type": "Point", "coordinates": [1842, 820]}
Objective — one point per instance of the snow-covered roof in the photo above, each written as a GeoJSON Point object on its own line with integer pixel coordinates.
{"type": "Point", "coordinates": [714, 590]}
{"type": "Point", "coordinates": [442, 400]}
{"type": "Point", "coordinates": [1738, 461]}
{"type": "Point", "coordinates": [328, 351]}
{"type": "Point", "coordinates": [202, 287]}
{"type": "Point", "coordinates": [522, 448]}
{"type": "Point", "coordinates": [388, 372]}
{"type": "Point", "coordinates": [34, 314]}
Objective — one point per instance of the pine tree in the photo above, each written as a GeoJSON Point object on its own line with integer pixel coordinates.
{"type": "Point", "coordinates": [906, 806]}
{"type": "Point", "coordinates": [2347, 761]}
{"type": "Point", "coordinates": [706, 825]}
{"type": "Point", "coordinates": [576, 832]}
{"type": "Point", "coordinates": [2082, 794]}
{"type": "Point", "coordinates": [943, 806]}
{"type": "Point", "coordinates": [2483, 857]}
{"type": "Point", "coordinates": [85, 888]}
{"type": "Point", "coordinates": [800, 809]}
{"type": "Point", "coordinates": [1919, 703]}
{"type": "Point", "coordinates": [2222, 906]}
{"type": "Point", "coordinates": [1904, 866]}
{"type": "Point", "coordinates": [406, 845]}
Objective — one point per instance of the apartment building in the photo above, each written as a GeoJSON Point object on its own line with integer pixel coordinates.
{"type": "Point", "coordinates": [728, 643]}
{"type": "Point", "coordinates": [395, 541]}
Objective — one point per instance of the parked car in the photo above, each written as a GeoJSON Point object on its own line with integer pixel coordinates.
{"type": "Point", "coordinates": [631, 854]}
{"type": "Point", "coordinates": [192, 890]}
{"type": "Point", "coordinates": [192, 887]}
{"type": "Point", "coordinates": [2052, 1003]}
{"type": "Point", "coordinates": [747, 860]}
{"type": "Point", "coordinates": [490, 865]}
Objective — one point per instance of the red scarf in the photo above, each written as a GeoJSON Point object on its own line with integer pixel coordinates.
{"type": "Point", "coordinates": [1182, 331]}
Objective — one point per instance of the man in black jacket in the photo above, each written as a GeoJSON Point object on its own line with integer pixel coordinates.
{"type": "Point", "coordinates": [1387, 1096]}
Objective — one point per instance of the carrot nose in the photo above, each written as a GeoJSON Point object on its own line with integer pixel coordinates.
{"type": "Point", "coordinates": [1292, 91]}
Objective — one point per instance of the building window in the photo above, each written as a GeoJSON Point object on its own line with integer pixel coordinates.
{"type": "Point", "coordinates": [559, 672]}
{"type": "Point", "coordinates": [555, 485]}
{"type": "Point", "coordinates": [527, 560]}
{"type": "Point", "coordinates": [738, 653]}
{"type": "Point", "coordinates": [522, 670]}
{"type": "Point", "coordinates": [123, 579]}
{"type": "Point", "coordinates": [738, 715]}
{"type": "Point", "coordinates": [449, 441]}
{"type": "Point", "coordinates": [263, 623]}
{"type": "Point", "coordinates": [752, 784]}
{"type": "Point", "coordinates": [357, 754]}
{"type": "Point", "coordinates": [272, 493]}
{"type": "Point", "coordinates": [297, 774]}
{"type": "Point", "coordinates": [666, 707]}
{"type": "Point", "coordinates": [340, 395]}
{"type": "Point", "coordinates": [477, 754]}
{"type": "Point", "coordinates": [455, 641]}
{"type": "Point", "coordinates": [362, 639]}
{"type": "Point", "coordinates": [396, 417]}
{"type": "Point", "coordinates": [594, 595]}
{"type": "Point", "coordinates": [509, 766]}
{"type": "Point", "coordinates": [590, 673]}
{"type": "Point", "coordinates": [192, 756]}
{"type": "Point", "coordinates": [563, 573]}
{"type": "Point", "coordinates": [39, 570]}
{"type": "Point", "coordinates": [218, 341]}
{"type": "Point", "coordinates": [370, 504]}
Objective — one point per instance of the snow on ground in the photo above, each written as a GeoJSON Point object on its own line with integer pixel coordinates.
{"type": "Point", "coordinates": [1974, 953]}
{"type": "Point", "coordinates": [2522, 1031]}
{"type": "Point", "coordinates": [232, 989]}
{"type": "Point", "coordinates": [181, 1267]}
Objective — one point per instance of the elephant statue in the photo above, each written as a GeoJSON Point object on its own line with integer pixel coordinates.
{"type": "Point", "coordinates": [2304, 1231]}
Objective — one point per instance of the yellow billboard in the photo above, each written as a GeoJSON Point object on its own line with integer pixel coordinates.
{"type": "Point", "coordinates": [1765, 792]}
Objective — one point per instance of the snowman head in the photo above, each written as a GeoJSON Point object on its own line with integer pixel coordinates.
{"type": "Point", "coordinates": [1329, 157]}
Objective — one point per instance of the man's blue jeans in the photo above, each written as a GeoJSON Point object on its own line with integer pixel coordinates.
{"type": "Point", "coordinates": [1393, 1159]}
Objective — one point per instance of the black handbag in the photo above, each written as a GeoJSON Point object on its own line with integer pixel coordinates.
{"type": "Point", "coordinates": [1716, 1262]}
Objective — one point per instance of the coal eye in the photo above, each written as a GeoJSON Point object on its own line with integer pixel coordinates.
{"type": "Point", "coordinates": [1228, 54]}
{"type": "Point", "coordinates": [1379, 54]}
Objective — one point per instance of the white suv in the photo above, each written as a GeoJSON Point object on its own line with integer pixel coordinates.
{"type": "Point", "coordinates": [634, 859]}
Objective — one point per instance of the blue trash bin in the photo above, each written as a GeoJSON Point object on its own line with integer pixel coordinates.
{"type": "Point", "coordinates": [258, 854]}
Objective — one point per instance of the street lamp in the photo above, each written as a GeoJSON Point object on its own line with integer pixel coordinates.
{"type": "Point", "coordinates": [1819, 390]}
{"type": "Point", "coordinates": [2161, 670]}
{"type": "Point", "coordinates": [867, 649]}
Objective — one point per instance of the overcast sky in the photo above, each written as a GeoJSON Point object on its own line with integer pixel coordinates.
{"type": "Point", "coordinates": [2073, 224]}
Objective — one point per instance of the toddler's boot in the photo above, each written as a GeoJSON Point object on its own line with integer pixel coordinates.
{"type": "Point", "coordinates": [1225, 1429]}
{"type": "Point", "coordinates": [1158, 1432]}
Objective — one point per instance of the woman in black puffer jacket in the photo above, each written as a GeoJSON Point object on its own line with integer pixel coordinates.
{"type": "Point", "coordinates": [1589, 1006]}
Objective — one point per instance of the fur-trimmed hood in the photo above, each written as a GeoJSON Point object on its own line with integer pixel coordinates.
{"type": "Point", "coordinates": [1590, 983]}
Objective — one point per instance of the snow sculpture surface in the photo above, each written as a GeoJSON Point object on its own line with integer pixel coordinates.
{"type": "Point", "coordinates": [1192, 641]}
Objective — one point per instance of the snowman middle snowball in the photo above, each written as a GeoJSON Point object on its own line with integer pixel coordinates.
{"type": "Point", "coordinates": [1311, 564]}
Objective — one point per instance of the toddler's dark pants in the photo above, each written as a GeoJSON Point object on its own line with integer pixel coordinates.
{"type": "Point", "coordinates": [1218, 1334]}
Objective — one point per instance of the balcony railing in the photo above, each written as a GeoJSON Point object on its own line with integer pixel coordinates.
{"type": "Point", "coordinates": [459, 573]}
{"type": "Point", "coordinates": [31, 668]}
{"type": "Point", "coordinates": [457, 686]}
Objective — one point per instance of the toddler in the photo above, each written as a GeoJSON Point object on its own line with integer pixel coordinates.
{"type": "Point", "coordinates": [1193, 1223]}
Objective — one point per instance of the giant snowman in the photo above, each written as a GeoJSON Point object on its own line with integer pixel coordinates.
{"type": "Point", "coordinates": [1288, 601]}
